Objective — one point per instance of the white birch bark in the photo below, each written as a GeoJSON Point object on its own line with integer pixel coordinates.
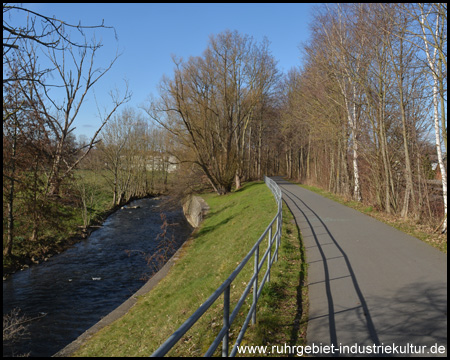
{"type": "Point", "coordinates": [357, 190]}
{"type": "Point", "coordinates": [342, 74]}
{"type": "Point", "coordinates": [432, 64]}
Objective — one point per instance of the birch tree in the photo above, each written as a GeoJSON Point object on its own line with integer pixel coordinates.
{"type": "Point", "coordinates": [433, 24]}
{"type": "Point", "coordinates": [346, 63]}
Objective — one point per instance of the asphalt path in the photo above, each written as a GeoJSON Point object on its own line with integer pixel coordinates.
{"type": "Point", "coordinates": [373, 290]}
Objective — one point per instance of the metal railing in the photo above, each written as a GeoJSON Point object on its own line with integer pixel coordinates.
{"type": "Point", "coordinates": [223, 336]}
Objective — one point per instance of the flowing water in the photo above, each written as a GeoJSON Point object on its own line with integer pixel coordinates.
{"type": "Point", "coordinates": [75, 289]}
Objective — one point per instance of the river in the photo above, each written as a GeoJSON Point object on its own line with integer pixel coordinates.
{"type": "Point", "coordinates": [75, 289]}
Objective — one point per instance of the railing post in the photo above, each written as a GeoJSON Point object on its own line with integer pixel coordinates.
{"type": "Point", "coordinates": [269, 255]}
{"type": "Point", "coordinates": [276, 240]}
{"type": "Point", "coordinates": [226, 320]}
{"type": "Point", "coordinates": [255, 285]}
{"type": "Point", "coordinates": [281, 224]}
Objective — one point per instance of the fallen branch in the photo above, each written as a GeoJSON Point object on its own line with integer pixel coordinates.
{"type": "Point", "coordinates": [437, 229]}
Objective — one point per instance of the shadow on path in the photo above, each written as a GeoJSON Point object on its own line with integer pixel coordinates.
{"type": "Point", "coordinates": [300, 301]}
{"type": "Point", "coordinates": [323, 237]}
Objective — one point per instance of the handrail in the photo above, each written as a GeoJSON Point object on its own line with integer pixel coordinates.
{"type": "Point", "coordinates": [228, 319]}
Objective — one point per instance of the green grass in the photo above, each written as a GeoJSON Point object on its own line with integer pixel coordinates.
{"type": "Point", "coordinates": [96, 184]}
{"type": "Point", "coordinates": [408, 226]}
{"type": "Point", "coordinates": [234, 223]}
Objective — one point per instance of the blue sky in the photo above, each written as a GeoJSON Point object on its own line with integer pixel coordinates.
{"type": "Point", "coordinates": [149, 33]}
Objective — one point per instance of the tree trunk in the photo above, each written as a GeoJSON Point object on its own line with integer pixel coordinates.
{"type": "Point", "coordinates": [259, 150]}
{"type": "Point", "coordinates": [357, 189]}
{"type": "Point", "coordinates": [7, 251]}
{"type": "Point", "coordinates": [308, 155]}
{"type": "Point", "coordinates": [237, 181]}
{"type": "Point", "coordinates": [409, 191]}
{"type": "Point", "coordinates": [434, 72]}
{"type": "Point", "coordinates": [439, 150]}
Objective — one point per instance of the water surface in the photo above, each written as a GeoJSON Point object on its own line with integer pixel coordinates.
{"type": "Point", "coordinates": [78, 287]}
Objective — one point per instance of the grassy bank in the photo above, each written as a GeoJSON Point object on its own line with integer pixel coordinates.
{"type": "Point", "coordinates": [233, 225]}
{"type": "Point", "coordinates": [408, 226]}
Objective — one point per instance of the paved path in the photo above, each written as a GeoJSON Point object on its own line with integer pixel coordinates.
{"type": "Point", "coordinates": [369, 283]}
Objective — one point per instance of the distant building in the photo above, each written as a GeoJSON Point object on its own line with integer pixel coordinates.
{"type": "Point", "coordinates": [161, 163]}
{"type": "Point", "coordinates": [436, 168]}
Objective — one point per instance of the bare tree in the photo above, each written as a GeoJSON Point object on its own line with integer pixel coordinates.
{"type": "Point", "coordinates": [25, 156]}
{"type": "Point", "coordinates": [426, 29]}
{"type": "Point", "coordinates": [77, 75]}
{"type": "Point", "coordinates": [362, 88]}
{"type": "Point", "coordinates": [22, 25]}
{"type": "Point", "coordinates": [434, 35]}
{"type": "Point", "coordinates": [210, 102]}
{"type": "Point", "coordinates": [40, 118]}
{"type": "Point", "coordinates": [132, 151]}
{"type": "Point", "coordinates": [116, 149]}
{"type": "Point", "coordinates": [73, 64]}
{"type": "Point", "coordinates": [347, 60]}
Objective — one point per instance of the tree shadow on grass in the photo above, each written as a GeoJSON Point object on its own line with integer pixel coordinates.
{"type": "Point", "coordinates": [214, 213]}
{"type": "Point", "coordinates": [247, 186]}
{"type": "Point", "coordinates": [207, 229]}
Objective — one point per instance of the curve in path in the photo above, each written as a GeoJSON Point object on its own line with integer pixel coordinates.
{"type": "Point", "coordinates": [369, 284]}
